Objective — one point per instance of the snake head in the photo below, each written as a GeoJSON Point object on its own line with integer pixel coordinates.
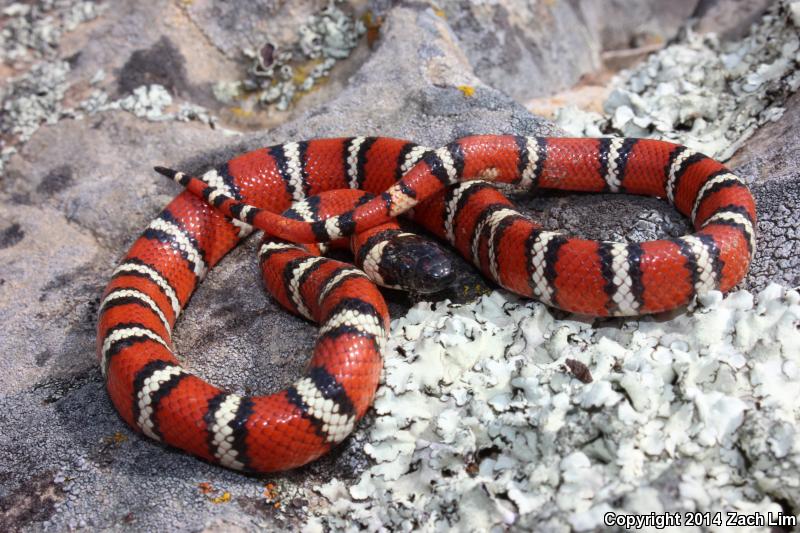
{"type": "Point", "coordinates": [413, 263]}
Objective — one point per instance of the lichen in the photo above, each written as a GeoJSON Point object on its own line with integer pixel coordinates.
{"type": "Point", "coordinates": [33, 99]}
{"type": "Point", "coordinates": [480, 425]}
{"type": "Point", "coordinates": [150, 102]}
{"type": "Point", "coordinates": [29, 41]}
{"type": "Point", "coordinates": [701, 92]}
{"type": "Point", "coordinates": [33, 31]}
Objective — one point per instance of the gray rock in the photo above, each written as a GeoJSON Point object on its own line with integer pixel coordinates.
{"type": "Point", "coordinates": [730, 19]}
{"type": "Point", "coordinates": [769, 161]}
{"type": "Point", "coordinates": [145, 43]}
{"type": "Point", "coordinates": [530, 48]}
{"type": "Point", "coordinates": [80, 191]}
{"type": "Point", "coordinates": [234, 26]}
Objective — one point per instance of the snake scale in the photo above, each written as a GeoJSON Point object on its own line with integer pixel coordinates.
{"type": "Point", "coordinates": [446, 190]}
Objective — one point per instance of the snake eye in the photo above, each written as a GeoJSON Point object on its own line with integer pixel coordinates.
{"type": "Point", "coordinates": [416, 264]}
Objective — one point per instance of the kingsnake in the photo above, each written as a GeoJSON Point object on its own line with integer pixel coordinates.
{"type": "Point", "coordinates": [155, 395]}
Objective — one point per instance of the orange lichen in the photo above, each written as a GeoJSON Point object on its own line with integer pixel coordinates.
{"type": "Point", "coordinates": [222, 498]}
{"type": "Point", "coordinates": [207, 489]}
{"type": "Point", "coordinates": [468, 90]}
{"type": "Point", "coordinates": [116, 439]}
{"type": "Point", "coordinates": [239, 111]}
{"type": "Point", "coordinates": [373, 24]}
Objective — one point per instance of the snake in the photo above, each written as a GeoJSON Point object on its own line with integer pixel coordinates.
{"type": "Point", "coordinates": [456, 192]}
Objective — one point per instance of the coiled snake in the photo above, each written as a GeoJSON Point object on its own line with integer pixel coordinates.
{"type": "Point", "coordinates": [155, 395]}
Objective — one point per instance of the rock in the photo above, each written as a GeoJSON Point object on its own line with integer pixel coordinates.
{"type": "Point", "coordinates": [730, 19]}
{"type": "Point", "coordinates": [499, 38]}
{"type": "Point", "coordinates": [529, 49]}
{"type": "Point", "coordinates": [631, 24]}
{"type": "Point", "coordinates": [143, 44]}
{"type": "Point", "coordinates": [233, 26]}
{"type": "Point", "coordinates": [774, 174]}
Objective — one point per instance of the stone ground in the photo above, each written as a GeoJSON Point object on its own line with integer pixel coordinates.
{"type": "Point", "coordinates": [79, 191]}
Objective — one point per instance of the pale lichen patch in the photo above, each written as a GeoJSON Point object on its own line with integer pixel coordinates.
{"type": "Point", "coordinates": [702, 92]}
{"type": "Point", "coordinates": [480, 426]}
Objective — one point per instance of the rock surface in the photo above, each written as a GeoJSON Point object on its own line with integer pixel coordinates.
{"type": "Point", "coordinates": [773, 170]}
{"type": "Point", "coordinates": [79, 192]}
{"type": "Point", "coordinates": [530, 48]}
{"type": "Point", "coordinates": [730, 19]}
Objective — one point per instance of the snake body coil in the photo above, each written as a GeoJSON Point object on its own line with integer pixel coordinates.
{"type": "Point", "coordinates": [154, 394]}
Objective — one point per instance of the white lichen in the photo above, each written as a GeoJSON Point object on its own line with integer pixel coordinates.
{"type": "Point", "coordinates": [33, 30]}
{"type": "Point", "coordinates": [703, 93]}
{"type": "Point", "coordinates": [480, 425]}
{"type": "Point", "coordinates": [147, 101]}
{"type": "Point", "coordinates": [34, 98]}
{"type": "Point", "coordinates": [152, 102]}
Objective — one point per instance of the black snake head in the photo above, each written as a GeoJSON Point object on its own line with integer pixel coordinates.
{"type": "Point", "coordinates": [416, 264]}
